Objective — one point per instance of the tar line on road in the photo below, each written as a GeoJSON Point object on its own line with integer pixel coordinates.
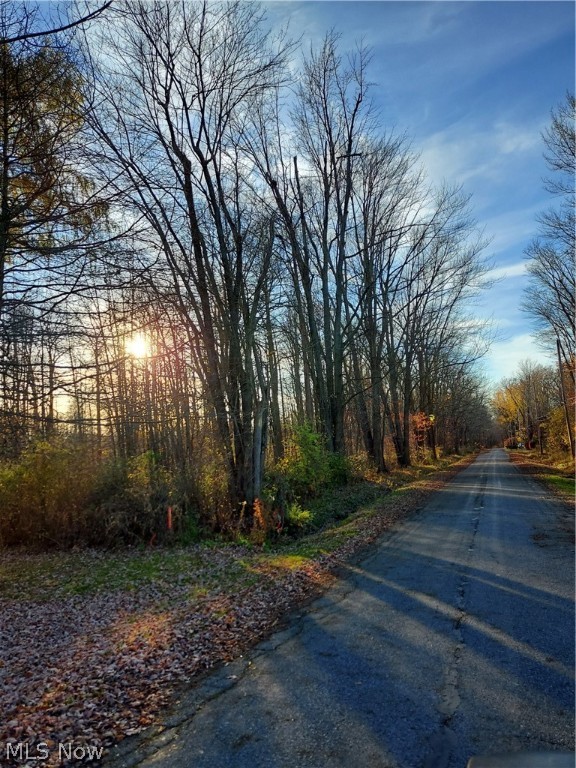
{"type": "Point", "coordinates": [455, 637]}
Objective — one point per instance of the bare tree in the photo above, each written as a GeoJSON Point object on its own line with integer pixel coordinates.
{"type": "Point", "coordinates": [313, 190]}
{"type": "Point", "coordinates": [386, 204]}
{"type": "Point", "coordinates": [174, 90]}
{"type": "Point", "coordinates": [550, 299]}
{"type": "Point", "coordinates": [372, 258]}
{"type": "Point", "coordinates": [441, 269]}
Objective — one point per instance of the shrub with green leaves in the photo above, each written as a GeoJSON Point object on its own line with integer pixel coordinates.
{"type": "Point", "coordinates": [308, 466]}
{"type": "Point", "coordinates": [297, 519]}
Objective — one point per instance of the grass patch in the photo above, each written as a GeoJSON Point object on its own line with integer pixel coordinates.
{"type": "Point", "coordinates": [286, 561]}
{"type": "Point", "coordinates": [337, 504]}
{"type": "Point", "coordinates": [45, 576]}
{"type": "Point", "coordinates": [560, 483]}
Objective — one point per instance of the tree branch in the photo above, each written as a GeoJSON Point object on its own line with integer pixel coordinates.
{"type": "Point", "coordinates": [56, 30]}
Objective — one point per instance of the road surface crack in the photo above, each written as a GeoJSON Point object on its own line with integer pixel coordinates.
{"type": "Point", "coordinates": [444, 740]}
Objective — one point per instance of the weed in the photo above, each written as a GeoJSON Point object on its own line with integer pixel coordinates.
{"type": "Point", "coordinates": [297, 519]}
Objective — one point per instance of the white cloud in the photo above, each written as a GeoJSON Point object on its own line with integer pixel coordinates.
{"type": "Point", "coordinates": [503, 273]}
{"type": "Point", "coordinates": [463, 151]}
{"type": "Point", "coordinates": [505, 357]}
{"type": "Point", "coordinates": [511, 139]}
{"type": "Point", "coordinates": [456, 154]}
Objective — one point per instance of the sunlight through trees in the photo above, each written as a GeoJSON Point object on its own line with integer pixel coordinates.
{"type": "Point", "coordinates": [268, 260]}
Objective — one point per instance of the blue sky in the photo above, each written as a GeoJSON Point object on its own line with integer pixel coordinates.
{"type": "Point", "coordinates": [473, 84]}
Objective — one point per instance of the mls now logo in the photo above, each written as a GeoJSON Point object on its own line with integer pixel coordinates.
{"type": "Point", "coordinates": [24, 753]}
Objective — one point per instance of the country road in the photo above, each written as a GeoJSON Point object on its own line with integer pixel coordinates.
{"type": "Point", "coordinates": [455, 637]}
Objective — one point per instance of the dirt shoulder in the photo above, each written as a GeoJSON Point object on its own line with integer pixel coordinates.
{"type": "Point", "coordinates": [95, 645]}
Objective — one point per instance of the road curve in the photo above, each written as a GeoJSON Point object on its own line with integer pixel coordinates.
{"type": "Point", "coordinates": [454, 638]}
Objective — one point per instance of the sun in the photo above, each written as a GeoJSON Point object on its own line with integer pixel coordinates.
{"type": "Point", "coordinates": [138, 346]}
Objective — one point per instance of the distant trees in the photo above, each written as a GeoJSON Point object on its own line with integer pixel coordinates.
{"type": "Point", "coordinates": [525, 401]}
{"type": "Point", "coordinates": [529, 408]}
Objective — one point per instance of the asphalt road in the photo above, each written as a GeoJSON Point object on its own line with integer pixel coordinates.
{"type": "Point", "coordinates": [454, 638]}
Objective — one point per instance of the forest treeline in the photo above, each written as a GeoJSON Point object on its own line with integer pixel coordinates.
{"type": "Point", "coordinates": [224, 282]}
{"type": "Point", "coordinates": [531, 409]}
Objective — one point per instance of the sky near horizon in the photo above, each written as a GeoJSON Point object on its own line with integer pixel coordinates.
{"type": "Point", "coordinates": [473, 84]}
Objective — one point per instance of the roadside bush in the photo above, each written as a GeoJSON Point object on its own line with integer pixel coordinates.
{"type": "Point", "coordinates": [298, 519]}
{"type": "Point", "coordinates": [557, 441]}
{"type": "Point", "coordinates": [56, 495]}
{"type": "Point", "coordinates": [210, 480]}
{"type": "Point", "coordinates": [44, 494]}
{"type": "Point", "coordinates": [130, 500]}
{"type": "Point", "coordinates": [341, 471]}
{"type": "Point", "coordinates": [307, 470]}
{"type": "Point", "coordinates": [308, 466]}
